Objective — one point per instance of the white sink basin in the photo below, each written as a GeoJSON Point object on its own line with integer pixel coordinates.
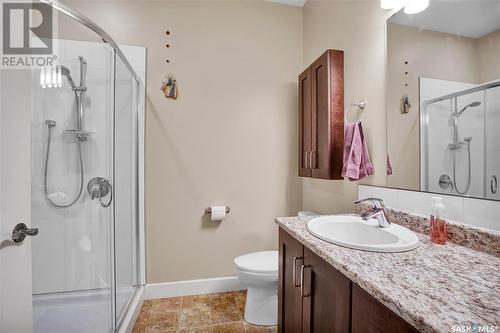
{"type": "Point", "coordinates": [354, 232]}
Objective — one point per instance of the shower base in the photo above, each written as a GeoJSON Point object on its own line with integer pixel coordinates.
{"type": "Point", "coordinates": [77, 311]}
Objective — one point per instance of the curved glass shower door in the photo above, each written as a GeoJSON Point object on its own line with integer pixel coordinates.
{"type": "Point", "coordinates": [72, 145]}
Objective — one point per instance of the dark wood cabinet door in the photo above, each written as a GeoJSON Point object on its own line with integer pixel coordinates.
{"type": "Point", "coordinates": [326, 297]}
{"type": "Point", "coordinates": [371, 316]}
{"type": "Point", "coordinates": [305, 148]}
{"type": "Point", "coordinates": [289, 299]}
{"type": "Point", "coordinates": [327, 79]}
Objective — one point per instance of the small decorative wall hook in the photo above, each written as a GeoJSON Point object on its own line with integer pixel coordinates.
{"type": "Point", "coordinates": [169, 87]}
{"type": "Point", "coordinates": [361, 104]}
{"type": "Point", "coordinates": [405, 104]}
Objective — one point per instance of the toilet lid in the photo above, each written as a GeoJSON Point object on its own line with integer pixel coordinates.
{"type": "Point", "coordinates": [263, 262]}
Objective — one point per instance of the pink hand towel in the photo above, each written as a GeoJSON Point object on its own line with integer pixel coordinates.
{"type": "Point", "coordinates": [357, 164]}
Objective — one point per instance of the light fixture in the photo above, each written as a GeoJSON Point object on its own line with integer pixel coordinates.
{"type": "Point", "coordinates": [416, 6]}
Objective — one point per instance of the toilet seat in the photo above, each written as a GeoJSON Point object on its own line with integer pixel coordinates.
{"type": "Point", "coordinates": [262, 262]}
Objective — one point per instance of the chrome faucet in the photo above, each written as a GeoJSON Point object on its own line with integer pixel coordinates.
{"type": "Point", "coordinates": [377, 211]}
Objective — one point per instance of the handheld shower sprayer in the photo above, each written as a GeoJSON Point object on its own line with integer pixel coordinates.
{"type": "Point", "coordinates": [51, 76]}
{"type": "Point", "coordinates": [456, 145]}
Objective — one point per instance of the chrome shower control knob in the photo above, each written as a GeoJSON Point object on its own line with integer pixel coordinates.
{"type": "Point", "coordinates": [97, 189]}
{"type": "Point", "coordinates": [445, 182]}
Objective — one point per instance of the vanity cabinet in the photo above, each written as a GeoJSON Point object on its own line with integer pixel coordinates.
{"type": "Point", "coordinates": [313, 297]}
{"type": "Point", "coordinates": [321, 117]}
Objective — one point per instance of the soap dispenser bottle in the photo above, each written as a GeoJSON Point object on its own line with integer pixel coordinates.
{"type": "Point", "coordinates": [438, 224]}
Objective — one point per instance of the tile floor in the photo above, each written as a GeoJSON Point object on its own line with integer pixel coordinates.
{"type": "Point", "coordinates": [212, 313]}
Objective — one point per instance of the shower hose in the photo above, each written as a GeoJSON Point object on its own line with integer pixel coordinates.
{"type": "Point", "coordinates": [455, 173]}
{"type": "Point", "coordinates": [47, 166]}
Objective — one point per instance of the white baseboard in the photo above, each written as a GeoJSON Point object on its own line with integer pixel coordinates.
{"type": "Point", "coordinates": [192, 287]}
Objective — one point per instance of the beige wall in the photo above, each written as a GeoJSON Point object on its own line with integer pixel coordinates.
{"type": "Point", "coordinates": [429, 54]}
{"type": "Point", "coordinates": [488, 48]}
{"type": "Point", "coordinates": [230, 139]}
{"type": "Point", "coordinates": [357, 28]}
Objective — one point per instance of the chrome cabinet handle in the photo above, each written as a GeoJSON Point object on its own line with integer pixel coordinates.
{"type": "Point", "coordinates": [294, 273]}
{"type": "Point", "coordinates": [302, 281]}
{"type": "Point", "coordinates": [105, 187]}
{"type": "Point", "coordinates": [311, 159]}
{"type": "Point", "coordinates": [306, 160]}
{"type": "Point", "coordinates": [493, 184]}
{"type": "Point", "coordinates": [21, 231]}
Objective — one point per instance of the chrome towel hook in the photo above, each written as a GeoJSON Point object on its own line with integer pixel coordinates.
{"type": "Point", "coordinates": [361, 105]}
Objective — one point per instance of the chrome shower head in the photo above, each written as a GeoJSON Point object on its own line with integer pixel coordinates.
{"type": "Point", "coordinates": [66, 72]}
{"type": "Point", "coordinates": [470, 105]}
{"type": "Point", "coordinates": [51, 76]}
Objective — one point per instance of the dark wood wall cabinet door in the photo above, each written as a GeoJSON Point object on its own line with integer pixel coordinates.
{"type": "Point", "coordinates": [305, 118]}
{"type": "Point", "coordinates": [321, 117]}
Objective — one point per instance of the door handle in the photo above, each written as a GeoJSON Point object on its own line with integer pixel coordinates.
{"type": "Point", "coordinates": [306, 160]}
{"type": "Point", "coordinates": [21, 231]}
{"type": "Point", "coordinates": [294, 273]}
{"type": "Point", "coordinates": [302, 268]}
{"type": "Point", "coordinates": [103, 185]}
{"type": "Point", "coordinates": [493, 184]}
{"type": "Point", "coordinates": [312, 160]}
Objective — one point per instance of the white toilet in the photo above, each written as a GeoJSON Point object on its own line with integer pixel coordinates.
{"type": "Point", "coordinates": [259, 272]}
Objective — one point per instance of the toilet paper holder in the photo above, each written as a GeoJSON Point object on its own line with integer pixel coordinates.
{"type": "Point", "coordinates": [209, 210]}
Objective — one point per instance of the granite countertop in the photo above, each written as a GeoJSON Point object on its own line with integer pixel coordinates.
{"type": "Point", "coordinates": [433, 287]}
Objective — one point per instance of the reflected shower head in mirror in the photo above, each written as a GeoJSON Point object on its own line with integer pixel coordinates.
{"type": "Point", "coordinates": [471, 105]}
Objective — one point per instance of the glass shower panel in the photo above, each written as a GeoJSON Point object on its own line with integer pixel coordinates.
{"type": "Point", "coordinates": [72, 271]}
{"type": "Point", "coordinates": [492, 123]}
{"type": "Point", "coordinates": [438, 138]}
{"type": "Point", "coordinates": [126, 186]}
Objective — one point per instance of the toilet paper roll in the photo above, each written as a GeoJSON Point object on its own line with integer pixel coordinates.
{"type": "Point", "coordinates": [218, 213]}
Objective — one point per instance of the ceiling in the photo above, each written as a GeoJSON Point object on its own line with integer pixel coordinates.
{"type": "Point", "coordinates": [469, 18]}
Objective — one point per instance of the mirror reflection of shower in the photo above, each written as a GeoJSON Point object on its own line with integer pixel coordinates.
{"type": "Point", "coordinates": [457, 144]}
{"type": "Point", "coordinates": [51, 77]}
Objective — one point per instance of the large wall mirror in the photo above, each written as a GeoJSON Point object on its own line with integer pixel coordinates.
{"type": "Point", "coordinates": [443, 99]}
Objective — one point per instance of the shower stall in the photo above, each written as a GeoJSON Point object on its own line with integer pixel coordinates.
{"type": "Point", "coordinates": [460, 147]}
{"type": "Point", "coordinates": [77, 123]}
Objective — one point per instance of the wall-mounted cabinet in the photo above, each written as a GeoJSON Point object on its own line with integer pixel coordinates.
{"type": "Point", "coordinates": [321, 117]}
